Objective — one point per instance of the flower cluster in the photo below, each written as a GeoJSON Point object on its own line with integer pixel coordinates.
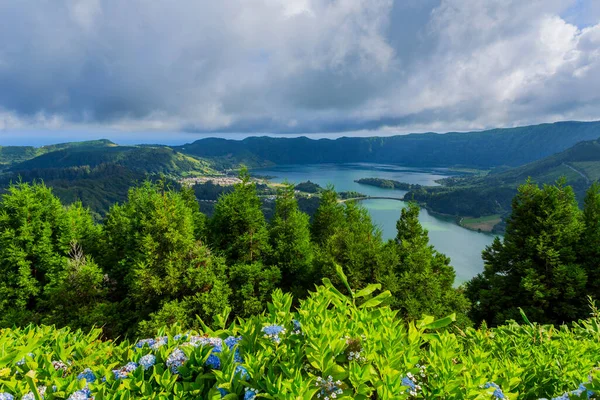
{"type": "Point", "coordinates": [147, 361]}
{"type": "Point", "coordinates": [59, 366]}
{"type": "Point", "coordinates": [273, 331]}
{"type": "Point", "coordinates": [354, 350]}
{"type": "Point", "coordinates": [83, 394]}
{"type": "Point", "coordinates": [329, 389]}
{"type": "Point", "coordinates": [410, 381]}
{"type": "Point", "coordinates": [124, 371]}
{"type": "Point", "coordinates": [88, 375]}
{"type": "Point", "coordinates": [497, 393]}
{"type": "Point", "coordinates": [250, 394]}
{"type": "Point", "coordinates": [175, 360]}
{"type": "Point", "coordinates": [6, 396]}
{"type": "Point", "coordinates": [30, 396]}
{"type": "Point", "coordinates": [154, 344]}
{"type": "Point", "coordinates": [297, 327]}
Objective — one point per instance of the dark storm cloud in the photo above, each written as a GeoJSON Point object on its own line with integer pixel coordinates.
{"type": "Point", "coordinates": [297, 65]}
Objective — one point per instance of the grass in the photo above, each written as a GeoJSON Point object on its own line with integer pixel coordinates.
{"type": "Point", "coordinates": [484, 224]}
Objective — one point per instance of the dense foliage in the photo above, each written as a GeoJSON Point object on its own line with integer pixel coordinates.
{"type": "Point", "coordinates": [547, 261]}
{"type": "Point", "coordinates": [156, 259]}
{"type": "Point", "coordinates": [331, 346]}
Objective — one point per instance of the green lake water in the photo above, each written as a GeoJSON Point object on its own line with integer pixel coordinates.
{"type": "Point", "coordinates": [461, 245]}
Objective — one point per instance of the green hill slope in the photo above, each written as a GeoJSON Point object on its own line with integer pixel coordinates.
{"type": "Point", "coordinates": [150, 160]}
{"type": "Point", "coordinates": [492, 194]}
{"type": "Point", "coordinates": [97, 173]}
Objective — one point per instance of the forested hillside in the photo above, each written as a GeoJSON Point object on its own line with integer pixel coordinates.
{"type": "Point", "coordinates": [97, 173]}
{"type": "Point", "coordinates": [497, 147]}
{"type": "Point", "coordinates": [492, 194]}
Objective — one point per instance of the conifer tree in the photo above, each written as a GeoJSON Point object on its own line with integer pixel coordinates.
{"type": "Point", "coordinates": [425, 277]}
{"type": "Point", "coordinates": [589, 248]}
{"type": "Point", "coordinates": [328, 217]}
{"type": "Point", "coordinates": [290, 242]}
{"type": "Point", "coordinates": [156, 262]}
{"type": "Point", "coordinates": [238, 227]}
{"type": "Point", "coordinates": [535, 267]}
{"type": "Point", "coordinates": [36, 232]}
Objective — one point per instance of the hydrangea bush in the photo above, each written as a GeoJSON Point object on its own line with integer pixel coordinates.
{"type": "Point", "coordinates": [331, 347]}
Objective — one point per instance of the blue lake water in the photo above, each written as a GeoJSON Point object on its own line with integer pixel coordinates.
{"type": "Point", "coordinates": [461, 245]}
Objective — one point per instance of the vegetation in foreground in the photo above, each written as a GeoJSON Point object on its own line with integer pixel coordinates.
{"type": "Point", "coordinates": [331, 346]}
{"type": "Point", "coordinates": [156, 261]}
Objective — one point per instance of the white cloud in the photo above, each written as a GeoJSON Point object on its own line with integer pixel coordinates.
{"type": "Point", "coordinates": [296, 65]}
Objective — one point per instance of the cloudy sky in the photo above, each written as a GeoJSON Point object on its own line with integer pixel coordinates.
{"type": "Point", "coordinates": [295, 66]}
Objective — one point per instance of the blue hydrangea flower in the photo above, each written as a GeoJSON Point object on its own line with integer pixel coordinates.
{"type": "Point", "coordinates": [237, 357]}
{"type": "Point", "coordinates": [223, 392]}
{"type": "Point", "coordinates": [124, 372]}
{"type": "Point", "coordinates": [88, 375]}
{"type": "Point", "coordinates": [242, 372]}
{"type": "Point", "coordinates": [175, 360]}
{"type": "Point", "coordinates": [250, 394]}
{"type": "Point", "coordinates": [145, 342]}
{"type": "Point", "coordinates": [83, 394]}
{"type": "Point", "coordinates": [6, 396]}
{"type": "Point", "coordinates": [213, 361]}
{"type": "Point", "coordinates": [406, 381]}
{"type": "Point", "coordinates": [297, 327]}
{"type": "Point", "coordinates": [328, 387]}
{"type": "Point", "coordinates": [273, 331]}
{"type": "Point", "coordinates": [28, 396]}
{"type": "Point", "coordinates": [410, 381]}
{"type": "Point", "coordinates": [231, 341]}
{"type": "Point", "coordinates": [147, 361]}
{"type": "Point", "coordinates": [498, 394]}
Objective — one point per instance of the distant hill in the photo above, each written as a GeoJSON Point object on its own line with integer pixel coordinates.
{"type": "Point", "coordinates": [99, 173]}
{"type": "Point", "coordinates": [10, 155]}
{"type": "Point", "coordinates": [498, 147]}
{"type": "Point", "coordinates": [142, 159]}
{"type": "Point", "coordinates": [492, 194]}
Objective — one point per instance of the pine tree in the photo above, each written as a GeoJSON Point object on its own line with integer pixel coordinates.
{"type": "Point", "coordinates": [356, 245]}
{"type": "Point", "coordinates": [535, 266]}
{"type": "Point", "coordinates": [155, 260]}
{"type": "Point", "coordinates": [589, 248]}
{"type": "Point", "coordinates": [290, 242]}
{"type": "Point", "coordinates": [425, 277]}
{"type": "Point", "coordinates": [238, 227]}
{"type": "Point", "coordinates": [36, 232]}
{"type": "Point", "coordinates": [328, 217]}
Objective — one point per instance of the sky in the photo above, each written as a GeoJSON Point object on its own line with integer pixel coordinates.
{"type": "Point", "coordinates": [173, 71]}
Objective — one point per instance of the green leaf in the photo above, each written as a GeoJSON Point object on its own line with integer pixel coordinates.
{"type": "Point", "coordinates": [440, 323]}
{"type": "Point", "coordinates": [340, 273]}
{"type": "Point", "coordinates": [377, 300]}
{"type": "Point", "coordinates": [368, 290]}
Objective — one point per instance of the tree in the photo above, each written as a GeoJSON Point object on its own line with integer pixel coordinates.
{"type": "Point", "coordinates": [155, 259]}
{"type": "Point", "coordinates": [36, 233]}
{"type": "Point", "coordinates": [290, 242]}
{"type": "Point", "coordinates": [238, 227]}
{"type": "Point", "coordinates": [356, 245]}
{"type": "Point", "coordinates": [589, 247]}
{"type": "Point", "coordinates": [253, 285]}
{"type": "Point", "coordinates": [328, 217]}
{"type": "Point", "coordinates": [535, 267]}
{"type": "Point", "coordinates": [425, 277]}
